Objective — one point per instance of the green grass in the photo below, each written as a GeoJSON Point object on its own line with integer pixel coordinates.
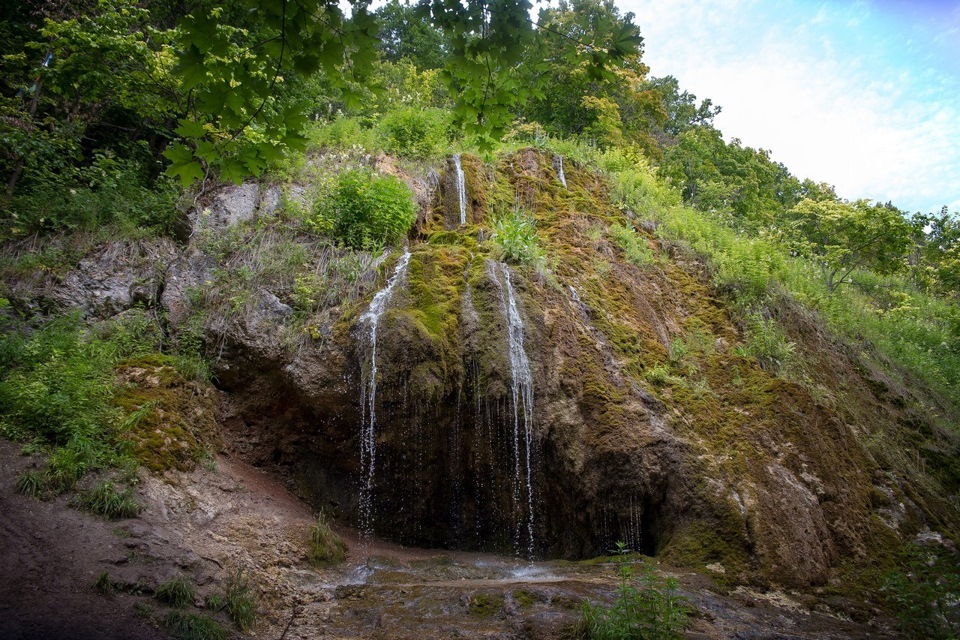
{"type": "Point", "coordinates": [176, 592]}
{"type": "Point", "coordinates": [236, 600]}
{"type": "Point", "coordinates": [192, 626]}
{"type": "Point", "coordinates": [110, 501]}
{"type": "Point", "coordinates": [326, 547]}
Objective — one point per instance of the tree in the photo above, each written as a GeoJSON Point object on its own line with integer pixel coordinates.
{"type": "Point", "coordinates": [233, 73]}
{"type": "Point", "coordinates": [843, 237]}
{"type": "Point", "coordinates": [569, 97]}
{"type": "Point", "coordinates": [681, 108]}
{"type": "Point", "coordinates": [404, 36]}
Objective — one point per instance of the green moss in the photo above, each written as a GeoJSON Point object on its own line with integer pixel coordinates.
{"type": "Point", "coordinates": [526, 599]}
{"type": "Point", "coordinates": [171, 422]}
{"type": "Point", "coordinates": [716, 541]}
{"type": "Point", "coordinates": [485, 605]}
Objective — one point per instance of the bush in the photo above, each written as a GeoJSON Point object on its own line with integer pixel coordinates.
{"type": "Point", "coordinates": [366, 210]}
{"type": "Point", "coordinates": [516, 235]}
{"type": "Point", "coordinates": [415, 132]}
{"type": "Point", "coordinates": [923, 592]}
{"type": "Point", "coordinates": [326, 547]}
{"type": "Point", "coordinates": [110, 192]}
{"type": "Point", "coordinates": [647, 606]}
{"type": "Point", "coordinates": [177, 592]}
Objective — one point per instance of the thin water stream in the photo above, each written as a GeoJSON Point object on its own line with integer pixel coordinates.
{"type": "Point", "coordinates": [461, 188]}
{"type": "Point", "coordinates": [370, 320]}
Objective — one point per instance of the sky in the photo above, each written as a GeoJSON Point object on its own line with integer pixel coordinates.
{"type": "Point", "coordinates": [864, 95]}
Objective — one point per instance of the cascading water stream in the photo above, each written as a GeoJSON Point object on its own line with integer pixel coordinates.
{"type": "Point", "coordinates": [461, 188]}
{"type": "Point", "coordinates": [558, 162]}
{"type": "Point", "coordinates": [522, 395]}
{"type": "Point", "coordinates": [368, 394]}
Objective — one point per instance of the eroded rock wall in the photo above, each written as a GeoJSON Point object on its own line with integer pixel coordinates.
{"type": "Point", "coordinates": [647, 424]}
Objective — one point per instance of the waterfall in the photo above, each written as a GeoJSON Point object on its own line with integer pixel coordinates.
{"type": "Point", "coordinates": [522, 396]}
{"type": "Point", "coordinates": [558, 163]}
{"type": "Point", "coordinates": [368, 394]}
{"type": "Point", "coordinates": [461, 188]}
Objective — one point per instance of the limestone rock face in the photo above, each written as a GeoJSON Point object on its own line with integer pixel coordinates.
{"type": "Point", "coordinates": [110, 279]}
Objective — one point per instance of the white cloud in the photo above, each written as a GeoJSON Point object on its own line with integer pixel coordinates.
{"type": "Point", "coordinates": [822, 96]}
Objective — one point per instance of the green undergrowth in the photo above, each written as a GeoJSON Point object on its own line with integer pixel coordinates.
{"type": "Point", "coordinates": [232, 601]}
{"type": "Point", "coordinates": [646, 605]}
{"type": "Point", "coordinates": [236, 599]}
{"type": "Point", "coordinates": [91, 400]}
{"type": "Point", "coordinates": [923, 589]}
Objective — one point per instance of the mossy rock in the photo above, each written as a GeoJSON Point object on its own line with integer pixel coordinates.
{"type": "Point", "coordinates": [172, 422]}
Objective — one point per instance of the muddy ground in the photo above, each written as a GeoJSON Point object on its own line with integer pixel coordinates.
{"type": "Point", "coordinates": [213, 522]}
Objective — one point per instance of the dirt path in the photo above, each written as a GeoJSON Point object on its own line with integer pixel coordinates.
{"type": "Point", "coordinates": [50, 556]}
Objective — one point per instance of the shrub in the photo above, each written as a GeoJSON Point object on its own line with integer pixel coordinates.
{"type": "Point", "coordinates": [516, 235]}
{"type": "Point", "coordinates": [110, 192]}
{"type": "Point", "coordinates": [646, 606]}
{"type": "Point", "coordinates": [109, 501]}
{"type": "Point", "coordinates": [326, 547]}
{"type": "Point", "coordinates": [366, 210]}
{"type": "Point", "coordinates": [236, 600]}
{"type": "Point", "coordinates": [415, 132]}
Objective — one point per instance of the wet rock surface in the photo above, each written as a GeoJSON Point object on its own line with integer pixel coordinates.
{"type": "Point", "coordinates": [207, 524]}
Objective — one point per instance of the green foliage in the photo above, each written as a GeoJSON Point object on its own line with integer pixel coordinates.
{"type": "Point", "coordinates": [414, 132]}
{"type": "Point", "coordinates": [326, 547]}
{"type": "Point", "coordinates": [236, 599]}
{"type": "Point", "coordinates": [647, 606]}
{"type": "Point", "coordinates": [110, 192]}
{"type": "Point", "coordinates": [366, 210]}
{"type": "Point", "coordinates": [104, 585]}
{"type": "Point", "coordinates": [843, 237]}
{"type": "Point", "coordinates": [923, 592]}
{"type": "Point", "coordinates": [107, 500]}
{"type": "Point", "coordinates": [57, 391]}
{"type": "Point", "coordinates": [176, 592]}
{"type": "Point", "coordinates": [192, 626]}
{"type": "Point", "coordinates": [515, 233]}
{"type": "Point", "coordinates": [767, 342]}
{"type": "Point", "coordinates": [633, 245]}
{"type": "Point", "coordinates": [341, 132]}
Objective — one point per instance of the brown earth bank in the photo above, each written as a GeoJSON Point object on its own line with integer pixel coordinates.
{"type": "Point", "coordinates": [208, 523]}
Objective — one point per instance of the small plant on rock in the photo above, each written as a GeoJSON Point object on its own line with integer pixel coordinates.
{"type": "Point", "coordinates": [326, 547]}
{"type": "Point", "coordinates": [192, 626]}
{"type": "Point", "coordinates": [516, 234]}
{"type": "Point", "coordinates": [236, 601]}
{"type": "Point", "coordinates": [647, 606]}
{"type": "Point", "coordinates": [177, 592]}
{"type": "Point", "coordinates": [110, 501]}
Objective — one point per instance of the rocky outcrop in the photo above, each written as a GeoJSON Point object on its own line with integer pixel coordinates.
{"type": "Point", "coordinates": [646, 425]}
